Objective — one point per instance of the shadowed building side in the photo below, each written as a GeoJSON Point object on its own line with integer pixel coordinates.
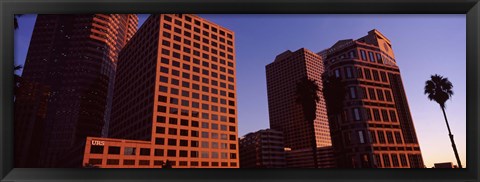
{"type": "Point", "coordinates": [286, 115]}
{"type": "Point", "coordinates": [75, 57]}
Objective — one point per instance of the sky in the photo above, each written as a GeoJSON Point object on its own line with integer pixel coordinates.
{"type": "Point", "coordinates": [423, 45]}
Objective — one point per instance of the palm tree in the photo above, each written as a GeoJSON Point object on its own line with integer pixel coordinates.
{"type": "Point", "coordinates": [439, 89]}
{"type": "Point", "coordinates": [307, 96]}
{"type": "Point", "coordinates": [334, 91]}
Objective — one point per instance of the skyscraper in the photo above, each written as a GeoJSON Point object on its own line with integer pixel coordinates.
{"type": "Point", "coordinates": [71, 66]}
{"type": "Point", "coordinates": [174, 98]}
{"type": "Point", "coordinates": [375, 128]}
{"type": "Point", "coordinates": [285, 113]}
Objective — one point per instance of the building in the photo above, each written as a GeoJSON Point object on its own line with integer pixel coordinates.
{"type": "Point", "coordinates": [262, 149]}
{"type": "Point", "coordinates": [375, 128]}
{"type": "Point", "coordinates": [175, 96]}
{"type": "Point", "coordinates": [285, 114]}
{"type": "Point", "coordinates": [444, 165]}
{"type": "Point", "coordinates": [302, 158]}
{"type": "Point", "coordinates": [74, 58]}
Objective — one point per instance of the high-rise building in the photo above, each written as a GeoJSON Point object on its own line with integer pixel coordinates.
{"type": "Point", "coordinates": [174, 98]}
{"type": "Point", "coordinates": [375, 128]}
{"type": "Point", "coordinates": [71, 66]}
{"type": "Point", "coordinates": [286, 115]}
{"type": "Point", "coordinates": [262, 149]}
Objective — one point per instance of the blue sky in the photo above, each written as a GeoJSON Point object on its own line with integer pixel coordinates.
{"type": "Point", "coordinates": [423, 45]}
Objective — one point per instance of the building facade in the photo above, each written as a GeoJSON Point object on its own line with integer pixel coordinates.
{"type": "Point", "coordinates": [285, 113]}
{"type": "Point", "coordinates": [74, 58]}
{"type": "Point", "coordinates": [375, 129]}
{"type": "Point", "coordinates": [175, 90]}
{"type": "Point", "coordinates": [444, 165]}
{"type": "Point", "coordinates": [262, 149]}
{"type": "Point", "coordinates": [302, 158]}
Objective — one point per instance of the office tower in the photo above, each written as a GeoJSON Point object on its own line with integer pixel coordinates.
{"type": "Point", "coordinates": [174, 98]}
{"type": "Point", "coordinates": [375, 128]}
{"type": "Point", "coordinates": [71, 66]}
{"type": "Point", "coordinates": [262, 149]}
{"type": "Point", "coordinates": [286, 115]}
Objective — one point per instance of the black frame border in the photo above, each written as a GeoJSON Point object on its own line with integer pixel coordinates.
{"type": "Point", "coordinates": [10, 7]}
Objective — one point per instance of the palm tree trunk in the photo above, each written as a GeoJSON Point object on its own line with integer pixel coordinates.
{"type": "Point", "coordinates": [451, 139]}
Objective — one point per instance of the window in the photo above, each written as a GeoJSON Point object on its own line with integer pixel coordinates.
{"type": "Point", "coordinates": [113, 161]}
{"type": "Point", "coordinates": [364, 93]}
{"type": "Point", "coordinates": [384, 76]}
{"type": "Point", "coordinates": [352, 54]}
{"type": "Point", "coordinates": [205, 134]}
{"type": "Point", "coordinates": [183, 153]}
{"type": "Point", "coordinates": [194, 154]}
{"type": "Point", "coordinates": [205, 124]}
{"type": "Point", "coordinates": [373, 137]}
{"type": "Point", "coordinates": [337, 73]}
{"type": "Point", "coordinates": [372, 58]}
{"type": "Point", "coordinates": [160, 130]}
{"type": "Point", "coordinates": [380, 94]}
{"type": "Point", "coordinates": [161, 119]}
{"type": "Point", "coordinates": [376, 114]}
{"type": "Point", "coordinates": [371, 93]}
{"type": "Point", "coordinates": [215, 145]}
{"type": "Point", "coordinates": [204, 154]}
{"type": "Point", "coordinates": [364, 56]}
{"type": "Point", "coordinates": [194, 143]}
{"type": "Point", "coordinates": [403, 159]}
{"type": "Point", "coordinates": [356, 114]}
{"type": "Point", "coordinates": [386, 160]}
{"type": "Point", "coordinates": [381, 136]}
{"type": "Point", "coordinates": [379, 58]}
{"type": "Point", "coordinates": [398, 138]}
{"type": "Point", "coordinates": [349, 72]}
{"type": "Point", "coordinates": [205, 145]}
{"type": "Point", "coordinates": [94, 149]}
{"type": "Point", "coordinates": [158, 152]}
{"type": "Point", "coordinates": [368, 112]}
{"type": "Point", "coordinates": [393, 116]}
{"type": "Point", "coordinates": [159, 141]}
{"type": "Point", "coordinates": [368, 75]}
{"type": "Point", "coordinates": [129, 151]}
{"type": "Point", "coordinates": [144, 151]}
{"type": "Point", "coordinates": [113, 150]}
{"type": "Point", "coordinates": [184, 132]}
{"type": "Point", "coordinates": [388, 95]}
{"type": "Point", "coordinates": [390, 137]}
{"type": "Point", "coordinates": [385, 115]}
{"type": "Point", "coordinates": [224, 155]}
{"type": "Point", "coordinates": [128, 162]}
{"type": "Point", "coordinates": [184, 143]}
{"type": "Point", "coordinates": [353, 94]}
{"type": "Point", "coordinates": [378, 161]}
{"type": "Point", "coordinates": [171, 153]}
{"type": "Point", "coordinates": [375, 75]}
{"type": "Point", "coordinates": [359, 73]}
{"type": "Point", "coordinates": [361, 137]}
{"type": "Point", "coordinates": [172, 131]}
